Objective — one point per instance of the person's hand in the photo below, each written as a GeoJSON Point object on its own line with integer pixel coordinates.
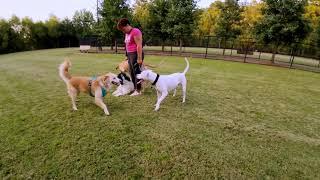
{"type": "Point", "coordinates": [140, 61]}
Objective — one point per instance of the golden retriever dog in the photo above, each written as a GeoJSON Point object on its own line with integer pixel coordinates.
{"type": "Point", "coordinates": [123, 66]}
{"type": "Point", "coordinates": [96, 87]}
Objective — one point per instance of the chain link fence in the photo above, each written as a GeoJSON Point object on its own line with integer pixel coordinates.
{"type": "Point", "coordinates": [298, 56]}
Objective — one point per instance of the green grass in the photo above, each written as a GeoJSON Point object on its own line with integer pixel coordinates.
{"type": "Point", "coordinates": [240, 121]}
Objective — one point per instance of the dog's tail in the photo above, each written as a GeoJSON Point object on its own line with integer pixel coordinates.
{"type": "Point", "coordinates": [153, 66]}
{"type": "Point", "coordinates": [64, 70]}
{"type": "Point", "coordinates": [187, 68]}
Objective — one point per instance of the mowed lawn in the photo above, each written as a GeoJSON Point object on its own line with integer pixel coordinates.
{"type": "Point", "coordinates": [239, 121]}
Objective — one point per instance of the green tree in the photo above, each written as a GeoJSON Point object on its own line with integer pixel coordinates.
{"type": "Point", "coordinates": [141, 13]}
{"type": "Point", "coordinates": [157, 27]}
{"type": "Point", "coordinates": [24, 34]}
{"type": "Point", "coordinates": [67, 33]}
{"type": "Point", "coordinates": [251, 15]}
{"type": "Point", "coordinates": [111, 12]}
{"type": "Point", "coordinates": [312, 14]}
{"type": "Point", "coordinates": [16, 41]}
{"type": "Point", "coordinates": [40, 37]}
{"type": "Point", "coordinates": [207, 23]}
{"type": "Point", "coordinates": [197, 16]}
{"type": "Point", "coordinates": [53, 30]}
{"type": "Point", "coordinates": [4, 36]}
{"type": "Point", "coordinates": [282, 23]}
{"type": "Point", "coordinates": [13, 35]}
{"type": "Point", "coordinates": [318, 35]}
{"type": "Point", "coordinates": [180, 20]}
{"type": "Point", "coordinates": [228, 23]}
{"type": "Point", "coordinates": [27, 24]}
{"type": "Point", "coordinates": [83, 22]}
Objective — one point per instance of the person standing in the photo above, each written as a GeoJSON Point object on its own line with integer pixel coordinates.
{"type": "Point", "coordinates": [134, 51]}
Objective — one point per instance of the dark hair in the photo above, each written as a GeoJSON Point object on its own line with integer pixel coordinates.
{"type": "Point", "coordinates": [122, 23]}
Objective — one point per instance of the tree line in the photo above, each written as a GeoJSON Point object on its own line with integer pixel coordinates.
{"type": "Point", "coordinates": [274, 22]}
{"type": "Point", "coordinates": [24, 34]}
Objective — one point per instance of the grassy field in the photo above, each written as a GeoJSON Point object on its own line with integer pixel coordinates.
{"type": "Point", "coordinates": [240, 121]}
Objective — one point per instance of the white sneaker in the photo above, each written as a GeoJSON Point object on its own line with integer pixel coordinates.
{"type": "Point", "coordinates": [135, 93]}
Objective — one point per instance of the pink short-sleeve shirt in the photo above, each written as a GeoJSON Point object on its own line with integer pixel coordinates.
{"type": "Point", "coordinates": [131, 46]}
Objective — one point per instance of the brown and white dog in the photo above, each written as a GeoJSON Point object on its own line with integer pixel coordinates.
{"type": "Point", "coordinates": [123, 66]}
{"type": "Point", "coordinates": [95, 87]}
{"type": "Point", "coordinates": [126, 85]}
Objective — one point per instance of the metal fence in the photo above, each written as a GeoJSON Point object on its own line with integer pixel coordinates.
{"type": "Point", "coordinates": [299, 56]}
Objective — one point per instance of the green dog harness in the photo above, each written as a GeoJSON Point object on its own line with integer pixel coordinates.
{"type": "Point", "coordinates": [103, 90]}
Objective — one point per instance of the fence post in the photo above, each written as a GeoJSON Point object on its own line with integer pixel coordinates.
{"type": "Point", "coordinates": [292, 62]}
{"type": "Point", "coordinates": [260, 54]}
{"type": "Point", "coordinates": [245, 56]}
{"type": "Point", "coordinates": [224, 46]}
{"type": "Point", "coordinates": [232, 47]}
{"type": "Point", "coordinates": [116, 44]}
{"type": "Point", "coordinates": [292, 57]}
{"type": "Point", "coordinates": [207, 45]}
{"type": "Point", "coordinates": [318, 58]}
{"type": "Point", "coordinates": [171, 47]}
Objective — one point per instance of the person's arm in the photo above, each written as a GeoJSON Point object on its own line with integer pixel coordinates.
{"type": "Point", "coordinates": [126, 58]}
{"type": "Point", "coordinates": [138, 41]}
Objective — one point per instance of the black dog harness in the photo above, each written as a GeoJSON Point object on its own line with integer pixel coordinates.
{"type": "Point", "coordinates": [122, 76]}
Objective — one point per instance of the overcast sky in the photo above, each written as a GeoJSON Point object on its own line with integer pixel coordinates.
{"type": "Point", "coordinates": [41, 9]}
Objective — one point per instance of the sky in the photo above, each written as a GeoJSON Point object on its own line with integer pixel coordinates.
{"type": "Point", "coordinates": [42, 9]}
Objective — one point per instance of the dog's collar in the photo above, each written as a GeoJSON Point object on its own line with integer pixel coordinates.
{"type": "Point", "coordinates": [104, 91]}
{"type": "Point", "coordinates": [156, 80]}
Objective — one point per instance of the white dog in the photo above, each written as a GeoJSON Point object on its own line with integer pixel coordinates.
{"type": "Point", "coordinates": [125, 87]}
{"type": "Point", "coordinates": [166, 83]}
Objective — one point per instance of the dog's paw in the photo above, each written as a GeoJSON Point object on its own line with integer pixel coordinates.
{"type": "Point", "coordinates": [75, 108]}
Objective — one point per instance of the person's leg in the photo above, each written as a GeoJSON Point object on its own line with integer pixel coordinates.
{"type": "Point", "coordinates": [138, 71]}
{"type": "Point", "coordinates": [132, 61]}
